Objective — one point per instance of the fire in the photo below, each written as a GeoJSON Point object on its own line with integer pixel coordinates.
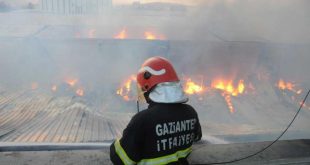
{"type": "Point", "coordinates": [288, 86]}
{"type": "Point", "coordinates": [229, 90]}
{"type": "Point", "coordinates": [121, 35]}
{"type": "Point", "coordinates": [305, 105]}
{"type": "Point", "coordinates": [292, 87]}
{"type": "Point", "coordinates": [285, 85]}
{"type": "Point", "coordinates": [228, 102]}
{"type": "Point", "coordinates": [192, 88]}
{"type": "Point", "coordinates": [34, 85]}
{"type": "Point", "coordinates": [54, 88]}
{"type": "Point", "coordinates": [91, 33]}
{"type": "Point", "coordinates": [152, 36]}
{"type": "Point", "coordinates": [71, 82]}
{"type": "Point", "coordinates": [241, 86]}
{"type": "Point", "coordinates": [80, 92]}
{"type": "Point", "coordinates": [125, 88]}
{"type": "Point", "coordinates": [149, 36]}
{"type": "Point", "coordinates": [228, 87]}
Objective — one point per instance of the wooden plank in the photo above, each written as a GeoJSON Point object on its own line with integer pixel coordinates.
{"type": "Point", "coordinates": [100, 130]}
{"type": "Point", "coordinates": [95, 136]}
{"type": "Point", "coordinates": [82, 124]}
{"type": "Point", "coordinates": [55, 123]}
{"type": "Point", "coordinates": [94, 129]}
{"type": "Point", "coordinates": [15, 113]}
{"type": "Point", "coordinates": [58, 134]}
{"type": "Point", "coordinates": [41, 123]}
{"type": "Point", "coordinates": [26, 115]}
{"type": "Point", "coordinates": [28, 129]}
{"type": "Point", "coordinates": [10, 97]}
{"type": "Point", "coordinates": [75, 127]}
{"type": "Point", "coordinates": [88, 128]}
{"type": "Point", "coordinates": [107, 131]}
{"type": "Point", "coordinates": [51, 129]}
{"type": "Point", "coordinates": [51, 121]}
{"type": "Point", "coordinates": [38, 109]}
{"type": "Point", "coordinates": [70, 121]}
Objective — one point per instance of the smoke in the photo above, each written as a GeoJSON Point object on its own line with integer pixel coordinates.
{"type": "Point", "coordinates": [270, 21]}
{"type": "Point", "coordinates": [238, 36]}
{"type": "Point", "coordinates": [231, 39]}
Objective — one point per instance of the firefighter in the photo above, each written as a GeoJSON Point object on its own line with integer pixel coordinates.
{"type": "Point", "coordinates": [166, 130]}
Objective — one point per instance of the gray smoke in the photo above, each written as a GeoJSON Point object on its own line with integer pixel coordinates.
{"type": "Point", "coordinates": [230, 39]}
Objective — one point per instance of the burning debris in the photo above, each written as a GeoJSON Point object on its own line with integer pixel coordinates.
{"type": "Point", "coordinates": [54, 88]}
{"type": "Point", "coordinates": [292, 89]}
{"type": "Point", "coordinates": [152, 36]}
{"type": "Point", "coordinates": [80, 92]}
{"type": "Point", "coordinates": [34, 85]}
{"type": "Point", "coordinates": [122, 34]}
{"type": "Point", "coordinates": [71, 82]}
{"type": "Point", "coordinates": [125, 91]}
{"type": "Point", "coordinates": [69, 86]}
{"type": "Point", "coordinates": [228, 89]}
{"type": "Point", "coordinates": [290, 86]}
{"type": "Point", "coordinates": [147, 35]}
{"type": "Point", "coordinates": [92, 33]}
{"type": "Point", "coordinates": [193, 88]}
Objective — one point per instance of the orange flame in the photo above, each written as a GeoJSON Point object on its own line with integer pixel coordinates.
{"type": "Point", "coordinates": [121, 35]}
{"type": "Point", "coordinates": [288, 86]}
{"type": "Point", "coordinates": [228, 102]}
{"type": "Point", "coordinates": [125, 88]}
{"type": "Point", "coordinates": [241, 86]}
{"type": "Point", "coordinates": [34, 85]}
{"type": "Point", "coordinates": [151, 36]}
{"type": "Point", "coordinates": [229, 90]}
{"type": "Point", "coordinates": [91, 33]}
{"type": "Point", "coordinates": [228, 87]}
{"type": "Point", "coordinates": [80, 92]}
{"type": "Point", "coordinates": [192, 88]}
{"type": "Point", "coordinates": [304, 105]}
{"type": "Point", "coordinates": [71, 82]}
{"type": "Point", "coordinates": [54, 88]}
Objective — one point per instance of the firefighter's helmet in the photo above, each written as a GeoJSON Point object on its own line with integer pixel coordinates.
{"type": "Point", "coordinates": [157, 81]}
{"type": "Point", "coordinates": [155, 70]}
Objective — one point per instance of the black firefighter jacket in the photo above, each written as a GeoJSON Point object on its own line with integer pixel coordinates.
{"type": "Point", "coordinates": [162, 134]}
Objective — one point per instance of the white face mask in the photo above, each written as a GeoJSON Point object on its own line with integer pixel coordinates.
{"type": "Point", "coordinates": [168, 92]}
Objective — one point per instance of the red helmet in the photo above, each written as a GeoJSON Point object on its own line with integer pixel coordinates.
{"type": "Point", "coordinates": [155, 70]}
